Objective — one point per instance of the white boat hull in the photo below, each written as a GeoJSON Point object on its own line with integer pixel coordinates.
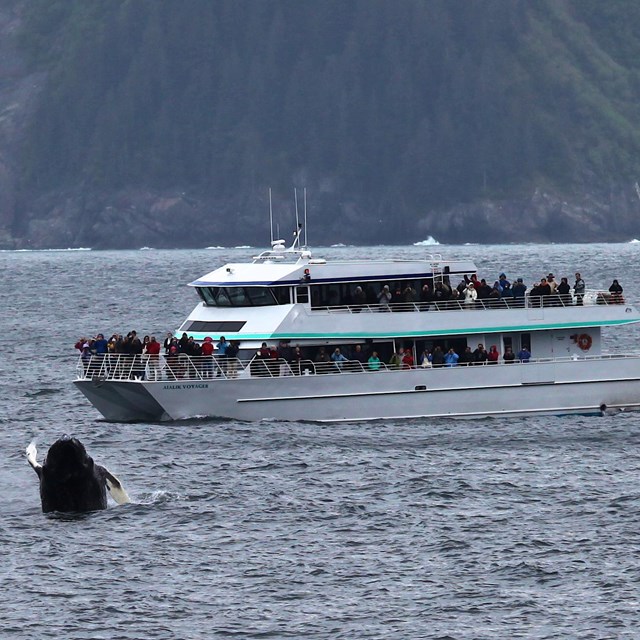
{"type": "Point", "coordinates": [548, 387]}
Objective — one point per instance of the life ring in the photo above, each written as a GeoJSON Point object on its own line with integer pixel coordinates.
{"type": "Point", "coordinates": [585, 341]}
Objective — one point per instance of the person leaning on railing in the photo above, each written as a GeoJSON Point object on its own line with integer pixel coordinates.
{"type": "Point", "coordinates": [374, 363]}
{"type": "Point", "coordinates": [384, 298]}
{"type": "Point", "coordinates": [616, 293]}
{"type": "Point", "coordinates": [564, 291]}
{"type": "Point", "coordinates": [172, 358]}
{"type": "Point", "coordinates": [359, 299]}
{"type": "Point", "coordinates": [519, 291]}
{"type": "Point", "coordinates": [338, 358]}
{"type": "Point", "coordinates": [207, 357]}
{"type": "Point", "coordinates": [579, 288]}
{"type": "Point", "coordinates": [232, 358]}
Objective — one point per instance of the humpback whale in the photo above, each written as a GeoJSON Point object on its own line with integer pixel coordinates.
{"type": "Point", "coordinates": [70, 481]}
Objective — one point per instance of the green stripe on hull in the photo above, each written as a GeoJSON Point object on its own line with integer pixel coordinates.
{"type": "Point", "coordinates": [411, 334]}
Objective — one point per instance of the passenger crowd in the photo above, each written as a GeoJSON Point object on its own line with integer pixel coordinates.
{"type": "Point", "coordinates": [285, 359]}
{"type": "Point", "coordinates": [472, 292]}
{"type": "Point", "coordinates": [128, 356]}
{"type": "Point", "coordinates": [360, 358]}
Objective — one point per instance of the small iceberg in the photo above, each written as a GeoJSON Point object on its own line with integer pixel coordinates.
{"type": "Point", "coordinates": [145, 249]}
{"type": "Point", "coordinates": [244, 246]}
{"type": "Point", "coordinates": [426, 243]}
{"type": "Point", "coordinates": [339, 244]}
{"type": "Point", "coordinates": [634, 241]}
{"type": "Point", "coordinates": [216, 247]}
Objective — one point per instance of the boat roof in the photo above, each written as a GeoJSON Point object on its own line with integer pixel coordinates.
{"type": "Point", "coordinates": [309, 270]}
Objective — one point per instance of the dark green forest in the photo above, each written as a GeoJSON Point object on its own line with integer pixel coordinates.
{"type": "Point", "coordinates": [414, 104]}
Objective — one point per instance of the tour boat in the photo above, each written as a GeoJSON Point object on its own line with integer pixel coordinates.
{"type": "Point", "coordinates": [285, 298]}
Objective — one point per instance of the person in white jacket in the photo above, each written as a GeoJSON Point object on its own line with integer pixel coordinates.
{"type": "Point", "coordinates": [470, 295]}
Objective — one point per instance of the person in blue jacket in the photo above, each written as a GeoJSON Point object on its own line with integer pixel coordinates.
{"type": "Point", "coordinates": [451, 358]}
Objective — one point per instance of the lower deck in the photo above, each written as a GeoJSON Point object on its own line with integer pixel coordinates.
{"type": "Point", "coordinates": [588, 384]}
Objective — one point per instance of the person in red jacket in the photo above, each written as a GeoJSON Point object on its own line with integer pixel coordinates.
{"type": "Point", "coordinates": [153, 351]}
{"type": "Point", "coordinates": [207, 357]}
{"type": "Point", "coordinates": [493, 355]}
{"type": "Point", "coordinates": [407, 359]}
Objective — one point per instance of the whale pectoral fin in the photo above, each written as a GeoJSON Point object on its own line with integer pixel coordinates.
{"type": "Point", "coordinates": [32, 454]}
{"type": "Point", "coordinates": [116, 489]}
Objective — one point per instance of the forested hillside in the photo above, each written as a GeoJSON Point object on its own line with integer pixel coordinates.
{"type": "Point", "coordinates": [401, 118]}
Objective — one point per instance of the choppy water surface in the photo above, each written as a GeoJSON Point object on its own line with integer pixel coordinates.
{"type": "Point", "coordinates": [510, 528]}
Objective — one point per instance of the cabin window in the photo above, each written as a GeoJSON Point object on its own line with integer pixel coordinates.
{"type": "Point", "coordinates": [302, 294]}
{"type": "Point", "coordinates": [244, 296]}
{"type": "Point", "coordinates": [332, 295]}
{"type": "Point", "coordinates": [259, 296]}
{"type": "Point", "coordinates": [222, 299]}
{"type": "Point", "coordinates": [282, 294]}
{"type": "Point", "coordinates": [206, 295]}
{"type": "Point", "coordinates": [238, 297]}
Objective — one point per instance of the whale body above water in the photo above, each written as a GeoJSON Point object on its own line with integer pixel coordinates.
{"type": "Point", "coordinates": [70, 481]}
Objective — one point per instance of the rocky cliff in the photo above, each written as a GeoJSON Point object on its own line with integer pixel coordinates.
{"type": "Point", "coordinates": [79, 213]}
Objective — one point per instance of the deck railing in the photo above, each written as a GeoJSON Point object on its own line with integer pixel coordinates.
{"type": "Point", "coordinates": [184, 367]}
{"type": "Point", "coordinates": [591, 297]}
{"type": "Point", "coordinates": [197, 368]}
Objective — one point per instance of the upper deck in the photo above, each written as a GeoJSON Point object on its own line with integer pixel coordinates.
{"type": "Point", "coordinates": [289, 295]}
{"type": "Point", "coordinates": [314, 271]}
{"type": "Point", "coordinates": [302, 322]}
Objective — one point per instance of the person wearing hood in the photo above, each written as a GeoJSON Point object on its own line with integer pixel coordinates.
{"type": "Point", "coordinates": [359, 299]}
{"type": "Point", "coordinates": [616, 292]}
{"type": "Point", "coordinates": [493, 355]}
{"type": "Point", "coordinates": [384, 298]}
{"type": "Point", "coordinates": [470, 296]}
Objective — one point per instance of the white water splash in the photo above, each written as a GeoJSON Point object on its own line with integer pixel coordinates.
{"type": "Point", "coordinates": [426, 243]}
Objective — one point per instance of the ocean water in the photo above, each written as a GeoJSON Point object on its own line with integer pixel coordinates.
{"type": "Point", "coordinates": [497, 528]}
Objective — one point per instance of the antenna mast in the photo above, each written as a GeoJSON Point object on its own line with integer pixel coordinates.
{"type": "Point", "coordinates": [296, 233]}
{"type": "Point", "coordinates": [305, 217]}
{"type": "Point", "coordinates": [270, 216]}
